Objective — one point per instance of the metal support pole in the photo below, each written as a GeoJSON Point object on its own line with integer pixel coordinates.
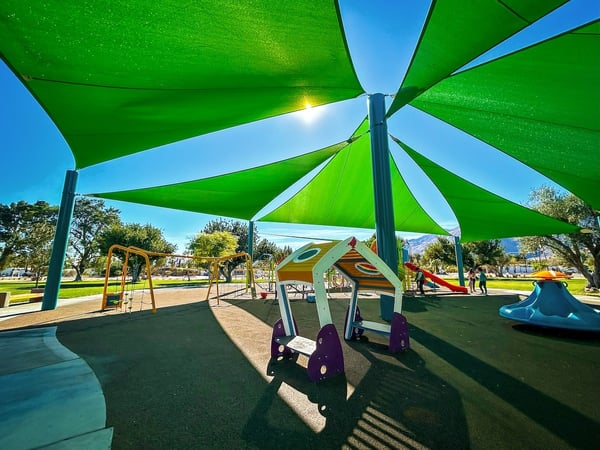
{"type": "Point", "coordinates": [459, 261]}
{"type": "Point", "coordinates": [250, 276]}
{"type": "Point", "coordinates": [382, 185]}
{"type": "Point", "coordinates": [251, 239]}
{"type": "Point", "coordinates": [61, 239]}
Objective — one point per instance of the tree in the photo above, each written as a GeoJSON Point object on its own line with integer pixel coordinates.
{"type": "Point", "coordinates": [485, 253]}
{"type": "Point", "coordinates": [27, 232]}
{"type": "Point", "coordinates": [443, 251]}
{"type": "Point", "coordinates": [439, 253]}
{"type": "Point", "coordinates": [503, 261]}
{"type": "Point", "coordinates": [266, 247]}
{"type": "Point", "coordinates": [146, 237]}
{"type": "Point", "coordinates": [574, 249]}
{"type": "Point", "coordinates": [90, 219]}
{"type": "Point", "coordinates": [215, 244]}
{"type": "Point", "coordinates": [240, 231]}
{"type": "Point", "coordinates": [38, 247]}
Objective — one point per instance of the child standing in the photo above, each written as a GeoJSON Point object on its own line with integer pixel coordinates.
{"type": "Point", "coordinates": [420, 279]}
{"type": "Point", "coordinates": [482, 281]}
{"type": "Point", "coordinates": [472, 276]}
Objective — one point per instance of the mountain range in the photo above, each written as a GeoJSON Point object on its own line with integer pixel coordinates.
{"type": "Point", "coordinates": [418, 245]}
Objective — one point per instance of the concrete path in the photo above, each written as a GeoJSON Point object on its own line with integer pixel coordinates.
{"type": "Point", "coordinates": [49, 397]}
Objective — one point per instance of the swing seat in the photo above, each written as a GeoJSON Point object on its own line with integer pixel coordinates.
{"type": "Point", "coordinates": [113, 300]}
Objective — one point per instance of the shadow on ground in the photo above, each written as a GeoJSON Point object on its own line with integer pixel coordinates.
{"type": "Point", "coordinates": [187, 378]}
{"type": "Point", "coordinates": [471, 379]}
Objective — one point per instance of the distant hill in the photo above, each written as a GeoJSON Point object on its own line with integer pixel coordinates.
{"type": "Point", "coordinates": [418, 245]}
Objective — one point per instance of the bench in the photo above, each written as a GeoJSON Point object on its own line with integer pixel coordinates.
{"type": "Point", "coordinates": [4, 299]}
{"type": "Point", "coordinates": [36, 295]}
{"type": "Point", "coordinates": [376, 327]}
{"type": "Point", "coordinates": [298, 344]}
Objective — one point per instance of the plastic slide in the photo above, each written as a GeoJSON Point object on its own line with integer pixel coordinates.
{"type": "Point", "coordinates": [438, 280]}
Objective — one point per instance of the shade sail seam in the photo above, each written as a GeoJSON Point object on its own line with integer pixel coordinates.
{"type": "Point", "coordinates": [155, 89]}
{"type": "Point", "coordinates": [585, 33]}
{"type": "Point", "coordinates": [516, 14]}
{"type": "Point", "coordinates": [487, 111]}
{"type": "Point", "coordinates": [572, 32]}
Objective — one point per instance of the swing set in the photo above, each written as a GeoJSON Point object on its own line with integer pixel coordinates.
{"type": "Point", "coordinates": [215, 264]}
{"type": "Point", "coordinates": [118, 298]}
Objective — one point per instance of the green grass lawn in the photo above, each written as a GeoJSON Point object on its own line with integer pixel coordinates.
{"type": "Point", "coordinates": [73, 289]}
{"type": "Point", "coordinates": [575, 286]}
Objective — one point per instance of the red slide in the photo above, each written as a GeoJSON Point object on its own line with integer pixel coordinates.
{"type": "Point", "coordinates": [437, 279]}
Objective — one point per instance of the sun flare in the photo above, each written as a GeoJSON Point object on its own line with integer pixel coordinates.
{"type": "Point", "coordinates": [309, 114]}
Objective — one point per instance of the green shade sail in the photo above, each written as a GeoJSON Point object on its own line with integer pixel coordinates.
{"type": "Point", "coordinates": [341, 194]}
{"type": "Point", "coordinates": [239, 194]}
{"type": "Point", "coordinates": [481, 214]}
{"type": "Point", "coordinates": [540, 105]}
{"type": "Point", "coordinates": [121, 77]}
{"type": "Point", "coordinates": [456, 32]}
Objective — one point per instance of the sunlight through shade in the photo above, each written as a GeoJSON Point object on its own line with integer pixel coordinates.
{"type": "Point", "coordinates": [239, 194]}
{"type": "Point", "coordinates": [121, 77]}
{"type": "Point", "coordinates": [341, 194]}
{"type": "Point", "coordinates": [456, 32]}
{"type": "Point", "coordinates": [540, 105]}
{"type": "Point", "coordinates": [481, 214]}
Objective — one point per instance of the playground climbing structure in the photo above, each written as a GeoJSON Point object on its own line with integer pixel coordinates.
{"type": "Point", "coordinates": [366, 273]}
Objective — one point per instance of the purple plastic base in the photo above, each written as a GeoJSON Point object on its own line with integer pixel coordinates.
{"type": "Point", "coordinates": [399, 339]}
{"type": "Point", "coordinates": [328, 359]}
{"type": "Point", "coordinates": [277, 349]}
{"type": "Point", "coordinates": [356, 332]}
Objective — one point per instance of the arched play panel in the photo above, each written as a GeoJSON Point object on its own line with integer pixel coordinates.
{"type": "Point", "coordinates": [366, 272]}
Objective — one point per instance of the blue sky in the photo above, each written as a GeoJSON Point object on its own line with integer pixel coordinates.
{"type": "Point", "coordinates": [381, 36]}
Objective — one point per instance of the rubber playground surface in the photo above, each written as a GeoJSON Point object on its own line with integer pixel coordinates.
{"type": "Point", "coordinates": [198, 374]}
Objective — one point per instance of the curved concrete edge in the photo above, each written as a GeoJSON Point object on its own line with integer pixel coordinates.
{"type": "Point", "coordinates": [48, 395]}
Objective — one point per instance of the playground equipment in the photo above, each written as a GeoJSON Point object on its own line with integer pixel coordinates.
{"type": "Point", "coordinates": [266, 266]}
{"type": "Point", "coordinates": [115, 300]}
{"type": "Point", "coordinates": [366, 273]}
{"type": "Point", "coordinates": [438, 280]}
{"type": "Point", "coordinates": [215, 263]}
{"type": "Point", "coordinates": [552, 305]}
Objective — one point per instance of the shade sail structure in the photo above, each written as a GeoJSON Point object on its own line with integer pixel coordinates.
{"type": "Point", "coordinates": [341, 194]}
{"type": "Point", "coordinates": [540, 105]}
{"type": "Point", "coordinates": [484, 215]}
{"type": "Point", "coordinates": [121, 78]}
{"type": "Point", "coordinates": [239, 194]}
{"type": "Point", "coordinates": [456, 32]}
